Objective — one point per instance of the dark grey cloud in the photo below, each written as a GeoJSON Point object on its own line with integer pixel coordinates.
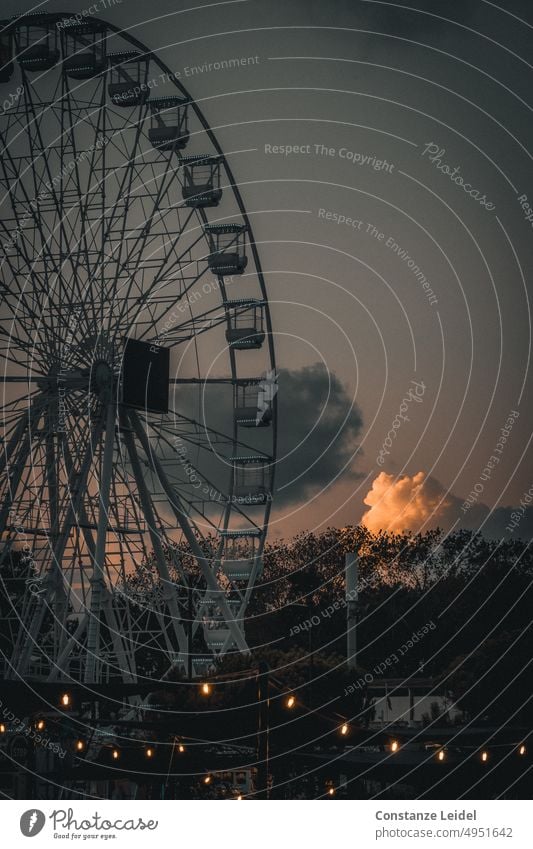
{"type": "Point", "coordinates": [319, 425]}
{"type": "Point", "coordinates": [318, 428]}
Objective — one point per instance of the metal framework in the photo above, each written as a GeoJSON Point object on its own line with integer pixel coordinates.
{"type": "Point", "coordinates": [141, 533]}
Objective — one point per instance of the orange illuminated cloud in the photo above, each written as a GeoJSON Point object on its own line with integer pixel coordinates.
{"type": "Point", "coordinates": [409, 503]}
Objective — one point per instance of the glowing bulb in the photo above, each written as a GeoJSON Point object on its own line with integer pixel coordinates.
{"type": "Point", "coordinates": [41, 725]}
{"type": "Point", "coordinates": [394, 746]}
{"type": "Point", "coordinates": [2, 728]}
{"type": "Point", "coordinates": [80, 745]}
{"type": "Point", "coordinates": [344, 729]}
{"type": "Point", "coordinates": [522, 750]}
{"type": "Point", "coordinates": [181, 748]}
{"type": "Point", "coordinates": [291, 701]}
{"type": "Point", "coordinates": [207, 779]}
{"type": "Point", "coordinates": [65, 699]}
{"type": "Point", "coordinates": [331, 791]}
{"type": "Point", "coordinates": [484, 756]}
{"type": "Point", "coordinates": [115, 754]}
{"type": "Point", "coordinates": [440, 755]}
{"type": "Point", "coordinates": [149, 752]}
{"type": "Point", "coordinates": [239, 798]}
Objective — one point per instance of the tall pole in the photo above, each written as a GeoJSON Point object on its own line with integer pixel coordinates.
{"type": "Point", "coordinates": [263, 719]}
{"type": "Point", "coordinates": [351, 609]}
{"type": "Point", "coordinates": [190, 615]}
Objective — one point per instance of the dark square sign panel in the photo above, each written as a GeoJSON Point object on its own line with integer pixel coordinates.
{"type": "Point", "coordinates": [145, 375]}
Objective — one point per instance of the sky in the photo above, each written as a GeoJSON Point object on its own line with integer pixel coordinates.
{"type": "Point", "coordinates": [381, 149]}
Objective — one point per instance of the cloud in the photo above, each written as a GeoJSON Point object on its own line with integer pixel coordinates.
{"type": "Point", "coordinates": [318, 428]}
{"type": "Point", "coordinates": [408, 503]}
{"type": "Point", "coordinates": [418, 502]}
{"type": "Point", "coordinates": [497, 522]}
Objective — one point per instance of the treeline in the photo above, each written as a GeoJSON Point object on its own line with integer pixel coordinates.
{"type": "Point", "coordinates": [471, 599]}
{"type": "Point", "coordinates": [454, 607]}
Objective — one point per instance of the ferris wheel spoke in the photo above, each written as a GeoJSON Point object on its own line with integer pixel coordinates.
{"type": "Point", "coordinates": [164, 183]}
{"type": "Point", "coordinates": [192, 327]}
{"type": "Point", "coordinates": [85, 193]}
{"type": "Point", "coordinates": [39, 154]}
{"type": "Point", "coordinates": [15, 455]}
{"type": "Point", "coordinates": [125, 195]}
{"type": "Point", "coordinates": [194, 483]}
{"type": "Point", "coordinates": [13, 343]}
{"type": "Point", "coordinates": [181, 516]}
{"type": "Point", "coordinates": [168, 589]}
{"type": "Point", "coordinates": [139, 249]}
{"type": "Point", "coordinates": [120, 208]}
{"type": "Point", "coordinates": [23, 297]}
{"type": "Point", "coordinates": [98, 586]}
{"type": "Point", "coordinates": [12, 184]}
{"type": "Point", "coordinates": [187, 275]}
{"type": "Point", "coordinates": [100, 598]}
{"type": "Point", "coordinates": [201, 429]}
{"type": "Point", "coordinates": [51, 565]}
{"type": "Point", "coordinates": [204, 438]}
{"type": "Point", "coordinates": [21, 311]}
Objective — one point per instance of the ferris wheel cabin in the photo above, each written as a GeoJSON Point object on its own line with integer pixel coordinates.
{"type": "Point", "coordinates": [240, 555]}
{"type": "Point", "coordinates": [6, 57]}
{"type": "Point", "coordinates": [201, 181]}
{"type": "Point", "coordinates": [252, 479]}
{"type": "Point", "coordinates": [128, 84]}
{"type": "Point", "coordinates": [84, 50]}
{"type": "Point", "coordinates": [253, 405]}
{"type": "Point", "coordinates": [215, 628]}
{"type": "Point", "coordinates": [245, 328]}
{"type": "Point", "coordinates": [228, 248]}
{"type": "Point", "coordinates": [170, 123]}
{"type": "Point", "coordinates": [36, 42]}
{"type": "Point", "coordinates": [215, 638]}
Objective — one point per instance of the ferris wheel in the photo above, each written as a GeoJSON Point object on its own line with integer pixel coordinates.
{"type": "Point", "coordinates": [138, 370]}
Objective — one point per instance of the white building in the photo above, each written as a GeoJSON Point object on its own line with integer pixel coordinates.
{"type": "Point", "coordinates": [411, 702]}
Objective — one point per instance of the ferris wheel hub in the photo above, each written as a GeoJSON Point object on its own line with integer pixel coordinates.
{"type": "Point", "coordinates": [102, 378]}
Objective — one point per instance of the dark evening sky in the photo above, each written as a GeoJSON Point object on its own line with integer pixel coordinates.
{"type": "Point", "coordinates": [382, 152]}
